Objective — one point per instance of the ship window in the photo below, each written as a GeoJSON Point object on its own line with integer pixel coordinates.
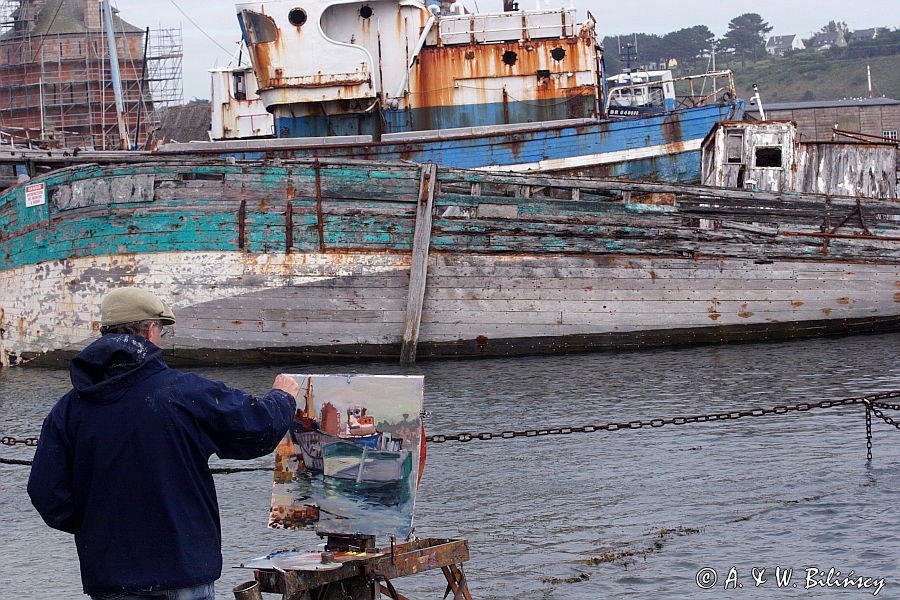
{"type": "Point", "coordinates": [260, 28]}
{"type": "Point", "coordinates": [558, 53]}
{"type": "Point", "coordinates": [510, 57]}
{"type": "Point", "coordinates": [768, 156]}
{"type": "Point", "coordinates": [365, 12]}
{"type": "Point", "coordinates": [734, 148]}
{"type": "Point", "coordinates": [240, 90]}
{"type": "Point", "coordinates": [297, 17]}
{"type": "Point", "coordinates": [890, 134]}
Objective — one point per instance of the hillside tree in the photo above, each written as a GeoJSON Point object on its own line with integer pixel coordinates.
{"type": "Point", "coordinates": [746, 36]}
{"type": "Point", "coordinates": [688, 45]}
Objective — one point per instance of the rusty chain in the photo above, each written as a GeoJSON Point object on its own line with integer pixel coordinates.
{"type": "Point", "coordinates": [11, 441]}
{"type": "Point", "coordinates": [868, 431]}
{"type": "Point", "coordinates": [872, 399]}
{"type": "Point", "coordinates": [885, 418]}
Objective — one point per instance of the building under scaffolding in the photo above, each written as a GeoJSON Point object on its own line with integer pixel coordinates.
{"type": "Point", "coordinates": [55, 79]}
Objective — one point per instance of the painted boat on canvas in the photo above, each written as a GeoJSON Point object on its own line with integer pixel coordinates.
{"type": "Point", "coordinates": [353, 462]}
{"type": "Point", "coordinates": [282, 260]}
{"type": "Point", "coordinates": [311, 443]}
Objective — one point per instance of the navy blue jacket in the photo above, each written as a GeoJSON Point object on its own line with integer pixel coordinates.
{"type": "Point", "coordinates": [122, 465]}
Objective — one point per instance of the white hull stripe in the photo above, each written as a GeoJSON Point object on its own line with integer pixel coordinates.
{"type": "Point", "coordinates": [603, 158]}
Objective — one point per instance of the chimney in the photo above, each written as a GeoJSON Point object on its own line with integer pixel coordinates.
{"type": "Point", "coordinates": [92, 14]}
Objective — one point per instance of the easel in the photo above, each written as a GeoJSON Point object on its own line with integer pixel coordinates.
{"type": "Point", "coordinates": [352, 568]}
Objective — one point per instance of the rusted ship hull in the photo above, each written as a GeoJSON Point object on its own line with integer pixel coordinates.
{"type": "Point", "coordinates": [329, 260]}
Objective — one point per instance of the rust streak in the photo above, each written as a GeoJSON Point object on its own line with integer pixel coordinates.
{"type": "Point", "coordinates": [843, 300]}
{"type": "Point", "coordinates": [320, 225]}
{"type": "Point", "coordinates": [797, 303]}
{"type": "Point", "coordinates": [242, 224]}
{"type": "Point", "coordinates": [826, 311]}
{"type": "Point", "coordinates": [289, 227]}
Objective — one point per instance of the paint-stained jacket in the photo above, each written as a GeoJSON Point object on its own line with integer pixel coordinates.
{"type": "Point", "coordinates": [122, 464]}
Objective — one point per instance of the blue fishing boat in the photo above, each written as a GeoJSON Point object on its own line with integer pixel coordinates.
{"type": "Point", "coordinates": [403, 80]}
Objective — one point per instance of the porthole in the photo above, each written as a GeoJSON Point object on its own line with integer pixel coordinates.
{"type": "Point", "coordinates": [510, 57]}
{"type": "Point", "coordinates": [365, 12]}
{"type": "Point", "coordinates": [297, 17]}
{"type": "Point", "coordinates": [558, 53]}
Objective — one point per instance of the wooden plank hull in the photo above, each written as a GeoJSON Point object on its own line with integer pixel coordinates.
{"type": "Point", "coordinates": [250, 279]}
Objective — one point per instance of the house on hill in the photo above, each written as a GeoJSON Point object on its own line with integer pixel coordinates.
{"type": "Point", "coordinates": [777, 45]}
{"type": "Point", "coordinates": [862, 35]}
{"type": "Point", "coordinates": [828, 40]}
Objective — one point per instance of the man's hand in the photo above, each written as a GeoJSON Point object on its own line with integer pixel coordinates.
{"type": "Point", "coordinates": [288, 384]}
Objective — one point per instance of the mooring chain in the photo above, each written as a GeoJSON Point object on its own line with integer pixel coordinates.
{"type": "Point", "coordinates": [884, 417]}
{"type": "Point", "coordinates": [872, 401]}
{"type": "Point", "coordinates": [467, 436]}
{"type": "Point", "coordinates": [11, 441]}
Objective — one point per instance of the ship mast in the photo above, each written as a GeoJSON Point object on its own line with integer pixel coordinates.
{"type": "Point", "coordinates": [116, 77]}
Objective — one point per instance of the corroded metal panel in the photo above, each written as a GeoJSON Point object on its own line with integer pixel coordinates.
{"type": "Point", "coordinates": [296, 61]}
{"type": "Point", "coordinates": [237, 110]}
{"type": "Point", "coordinates": [503, 74]}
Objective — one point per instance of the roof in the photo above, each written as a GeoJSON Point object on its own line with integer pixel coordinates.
{"type": "Point", "coordinates": [780, 40]}
{"type": "Point", "coordinates": [185, 123]}
{"type": "Point", "coordinates": [830, 103]}
{"type": "Point", "coordinates": [846, 102]}
{"type": "Point", "coordinates": [864, 34]}
{"type": "Point", "coordinates": [66, 16]}
{"type": "Point", "coordinates": [829, 37]}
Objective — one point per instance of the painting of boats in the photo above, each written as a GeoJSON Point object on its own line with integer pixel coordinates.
{"type": "Point", "coordinates": [335, 473]}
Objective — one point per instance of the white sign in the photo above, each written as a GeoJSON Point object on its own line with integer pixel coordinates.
{"type": "Point", "coordinates": [35, 194]}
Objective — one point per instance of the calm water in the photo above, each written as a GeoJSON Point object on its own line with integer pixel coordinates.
{"type": "Point", "coordinates": [792, 492]}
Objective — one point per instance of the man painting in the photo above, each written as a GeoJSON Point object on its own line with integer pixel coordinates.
{"type": "Point", "coordinates": [122, 461]}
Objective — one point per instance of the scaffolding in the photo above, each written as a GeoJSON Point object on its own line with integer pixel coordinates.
{"type": "Point", "coordinates": [56, 89]}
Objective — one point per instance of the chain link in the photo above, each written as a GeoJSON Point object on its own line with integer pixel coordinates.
{"type": "Point", "coordinates": [885, 418]}
{"type": "Point", "coordinates": [11, 441]}
{"type": "Point", "coordinates": [868, 430]}
{"type": "Point", "coordinates": [886, 405]}
{"type": "Point", "coordinates": [870, 399]}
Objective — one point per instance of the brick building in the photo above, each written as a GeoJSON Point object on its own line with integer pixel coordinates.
{"type": "Point", "coordinates": [55, 77]}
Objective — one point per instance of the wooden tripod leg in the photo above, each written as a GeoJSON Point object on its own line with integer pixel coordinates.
{"type": "Point", "coordinates": [388, 590]}
{"type": "Point", "coordinates": [456, 582]}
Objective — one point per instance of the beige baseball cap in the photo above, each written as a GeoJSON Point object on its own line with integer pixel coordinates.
{"type": "Point", "coordinates": [130, 304]}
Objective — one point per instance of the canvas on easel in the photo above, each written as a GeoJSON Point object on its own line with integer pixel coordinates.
{"type": "Point", "coordinates": [350, 463]}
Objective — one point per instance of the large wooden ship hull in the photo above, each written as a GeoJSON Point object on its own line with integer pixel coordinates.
{"type": "Point", "coordinates": [278, 261]}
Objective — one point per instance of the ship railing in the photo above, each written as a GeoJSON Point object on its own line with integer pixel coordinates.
{"type": "Point", "coordinates": [691, 90]}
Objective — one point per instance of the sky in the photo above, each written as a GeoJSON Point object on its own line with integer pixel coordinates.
{"type": "Point", "coordinates": [210, 29]}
